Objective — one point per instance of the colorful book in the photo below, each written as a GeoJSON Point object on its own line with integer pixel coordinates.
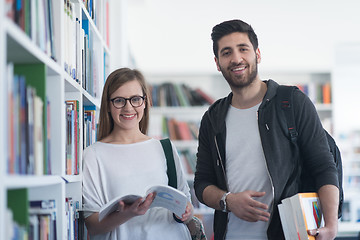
{"type": "Point", "coordinates": [300, 213]}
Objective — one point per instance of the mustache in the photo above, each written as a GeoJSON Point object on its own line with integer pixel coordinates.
{"type": "Point", "coordinates": [237, 65]}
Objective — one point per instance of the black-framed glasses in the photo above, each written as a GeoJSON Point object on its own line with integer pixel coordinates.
{"type": "Point", "coordinates": [135, 101]}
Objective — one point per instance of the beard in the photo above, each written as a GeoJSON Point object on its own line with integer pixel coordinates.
{"type": "Point", "coordinates": [241, 81]}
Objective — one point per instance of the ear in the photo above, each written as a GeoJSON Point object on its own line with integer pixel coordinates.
{"type": "Point", "coordinates": [258, 55]}
{"type": "Point", "coordinates": [217, 63]}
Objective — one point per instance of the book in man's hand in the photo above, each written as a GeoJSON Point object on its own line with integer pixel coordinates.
{"type": "Point", "coordinates": [166, 197]}
{"type": "Point", "coordinates": [300, 213]}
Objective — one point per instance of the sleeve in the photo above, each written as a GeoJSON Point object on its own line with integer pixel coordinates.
{"type": "Point", "coordinates": [205, 174]}
{"type": "Point", "coordinates": [91, 193]}
{"type": "Point", "coordinates": [180, 174]}
{"type": "Point", "coordinates": [314, 148]}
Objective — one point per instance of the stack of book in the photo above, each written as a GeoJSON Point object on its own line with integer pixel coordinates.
{"type": "Point", "coordinates": [300, 213]}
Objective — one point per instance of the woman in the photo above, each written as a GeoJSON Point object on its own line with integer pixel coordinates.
{"type": "Point", "coordinates": [124, 161]}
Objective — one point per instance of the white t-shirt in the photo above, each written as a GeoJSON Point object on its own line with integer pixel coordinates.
{"type": "Point", "coordinates": [111, 170]}
{"type": "Point", "coordinates": [246, 169]}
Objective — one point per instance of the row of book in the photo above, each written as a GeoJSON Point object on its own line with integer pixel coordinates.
{"type": "Point", "coordinates": [73, 148]}
{"type": "Point", "coordinates": [319, 93]}
{"type": "Point", "coordinates": [91, 60]}
{"type": "Point", "coordinates": [72, 137]}
{"type": "Point", "coordinates": [81, 59]}
{"type": "Point", "coordinates": [34, 219]}
{"type": "Point", "coordinates": [180, 130]}
{"type": "Point", "coordinates": [76, 229]}
{"type": "Point", "coordinates": [175, 95]}
{"type": "Point", "coordinates": [72, 41]}
{"type": "Point", "coordinates": [99, 12]}
{"type": "Point", "coordinates": [42, 219]}
{"type": "Point", "coordinates": [90, 127]}
{"type": "Point", "coordinates": [35, 18]}
{"type": "Point", "coordinates": [29, 129]}
{"type": "Point", "coordinates": [37, 219]}
{"type": "Point", "coordinates": [28, 124]}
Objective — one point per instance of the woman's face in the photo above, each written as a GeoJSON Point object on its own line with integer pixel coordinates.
{"type": "Point", "coordinates": [128, 116]}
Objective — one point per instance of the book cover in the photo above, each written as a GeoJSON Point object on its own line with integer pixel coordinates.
{"type": "Point", "coordinates": [38, 136]}
{"type": "Point", "coordinates": [183, 131]}
{"type": "Point", "coordinates": [166, 197]}
{"type": "Point", "coordinates": [17, 202]}
{"type": "Point", "coordinates": [208, 99]}
{"type": "Point", "coordinates": [300, 213]}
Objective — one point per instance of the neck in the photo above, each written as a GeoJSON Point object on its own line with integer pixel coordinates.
{"type": "Point", "coordinates": [249, 96]}
{"type": "Point", "coordinates": [125, 137]}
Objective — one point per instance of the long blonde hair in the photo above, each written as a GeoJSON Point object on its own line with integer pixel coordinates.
{"type": "Point", "coordinates": [115, 80]}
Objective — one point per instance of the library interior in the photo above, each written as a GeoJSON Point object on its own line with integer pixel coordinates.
{"type": "Point", "coordinates": [56, 55]}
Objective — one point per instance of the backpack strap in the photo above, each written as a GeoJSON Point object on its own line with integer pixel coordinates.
{"type": "Point", "coordinates": [171, 169]}
{"type": "Point", "coordinates": [285, 96]}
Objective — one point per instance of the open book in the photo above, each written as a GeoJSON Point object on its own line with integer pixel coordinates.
{"type": "Point", "coordinates": [300, 213]}
{"type": "Point", "coordinates": [166, 197]}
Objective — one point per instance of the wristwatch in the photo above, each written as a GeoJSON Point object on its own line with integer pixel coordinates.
{"type": "Point", "coordinates": [222, 202]}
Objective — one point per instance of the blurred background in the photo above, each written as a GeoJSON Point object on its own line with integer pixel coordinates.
{"type": "Point", "coordinates": [174, 36]}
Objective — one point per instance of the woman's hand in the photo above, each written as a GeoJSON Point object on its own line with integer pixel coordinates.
{"type": "Point", "coordinates": [189, 212]}
{"type": "Point", "coordinates": [123, 214]}
{"type": "Point", "coordinates": [139, 207]}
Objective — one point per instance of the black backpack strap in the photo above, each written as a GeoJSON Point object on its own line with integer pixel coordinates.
{"type": "Point", "coordinates": [285, 96]}
{"type": "Point", "coordinates": [171, 169]}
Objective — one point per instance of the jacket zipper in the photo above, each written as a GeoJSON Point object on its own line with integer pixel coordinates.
{"type": "Point", "coordinates": [268, 172]}
{"type": "Point", "coordinates": [220, 162]}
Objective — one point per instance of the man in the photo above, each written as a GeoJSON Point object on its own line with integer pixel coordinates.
{"type": "Point", "coordinates": [245, 162]}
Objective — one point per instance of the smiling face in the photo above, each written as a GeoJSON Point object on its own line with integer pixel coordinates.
{"type": "Point", "coordinates": [237, 60]}
{"type": "Point", "coordinates": [127, 117]}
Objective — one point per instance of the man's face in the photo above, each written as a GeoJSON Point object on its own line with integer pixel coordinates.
{"type": "Point", "coordinates": [237, 59]}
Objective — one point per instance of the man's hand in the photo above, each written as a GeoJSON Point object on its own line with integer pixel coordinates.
{"type": "Point", "coordinates": [323, 233]}
{"type": "Point", "coordinates": [329, 200]}
{"type": "Point", "coordinates": [245, 207]}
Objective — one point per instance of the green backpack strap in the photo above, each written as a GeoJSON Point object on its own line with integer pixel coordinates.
{"type": "Point", "coordinates": [171, 169]}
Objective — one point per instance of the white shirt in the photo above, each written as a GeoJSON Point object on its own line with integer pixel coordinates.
{"type": "Point", "coordinates": [246, 169]}
{"type": "Point", "coordinates": [111, 170]}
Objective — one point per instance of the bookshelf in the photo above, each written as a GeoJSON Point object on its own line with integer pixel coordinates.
{"type": "Point", "coordinates": [51, 52]}
{"type": "Point", "coordinates": [2, 127]}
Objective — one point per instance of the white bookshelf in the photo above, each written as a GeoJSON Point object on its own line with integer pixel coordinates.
{"type": "Point", "coordinates": [2, 126]}
{"type": "Point", "coordinates": [18, 48]}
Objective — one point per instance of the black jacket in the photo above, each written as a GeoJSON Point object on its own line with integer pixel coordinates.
{"type": "Point", "coordinates": [282, 157]}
